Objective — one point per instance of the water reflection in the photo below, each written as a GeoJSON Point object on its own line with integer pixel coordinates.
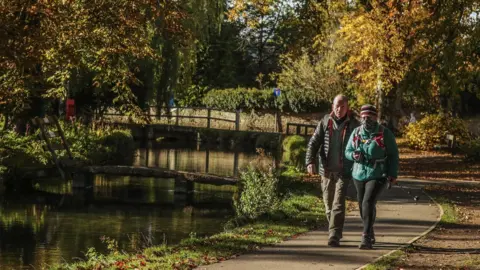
{"type": "Point", "coordinates": [196, 158]}
{"type": "Point", "coordinates": [60, 223]}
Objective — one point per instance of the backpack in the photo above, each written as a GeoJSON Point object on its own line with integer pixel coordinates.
{"type": "Point", "coordinates": [378, 138]}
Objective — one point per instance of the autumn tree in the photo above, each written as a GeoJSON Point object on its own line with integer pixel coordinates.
{"type": "Point", "coordinates": [420, 50]}
{"type": "Point", "coordinates": [379, 44]}
{"type": "Point", "coordinates": [45, 45]}
{"type": "Point", "coordinates": [448, 56]}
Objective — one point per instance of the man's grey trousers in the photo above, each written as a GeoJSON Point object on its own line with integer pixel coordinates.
{"type": "Point", "coordinates": [334, 189]}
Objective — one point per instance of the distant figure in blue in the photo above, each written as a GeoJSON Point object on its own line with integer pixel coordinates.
{"type": "Point", "coordinates": [171, 104]}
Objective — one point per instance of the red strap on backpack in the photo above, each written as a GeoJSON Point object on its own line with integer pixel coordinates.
{"type": "Point", "coordinates": [356, 138]}
{"type": "Point", "coordinates": [379, 137]}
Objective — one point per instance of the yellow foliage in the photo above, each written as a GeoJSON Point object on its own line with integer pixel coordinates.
{"type": "Point", "coordinates": [377, 44]}
{"type": "Point", "coordinates": [432, 129]}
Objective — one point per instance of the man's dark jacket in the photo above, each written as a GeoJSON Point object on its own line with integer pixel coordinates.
{"type": "Point", "coordinates": [319, 143]}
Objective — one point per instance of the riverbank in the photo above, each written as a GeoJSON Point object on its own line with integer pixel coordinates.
{"type": "Point", "coordinates": [296, 215]}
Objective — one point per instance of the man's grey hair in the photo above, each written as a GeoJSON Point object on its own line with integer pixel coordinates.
{"type": "Point", "coordinates": [341, 97]}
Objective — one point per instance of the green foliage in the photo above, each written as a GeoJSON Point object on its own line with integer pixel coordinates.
{"type": "Point", "coordinates": [471, 150]}
{"type": "Point", "coordinates": [316, 80]}
{"type": "Point", "coordinates": [105, 146]}
{"type": "Point", "coordinates": [294, 151]}
{"type": "Point", "coordinates": [257, 193]}
{"type": "Point", "coordinates": [101, 146]}
{"type": "Point", "coordinates": [432, 130]}
{"type": "Point", "coordinates": [20, 152]}
{"type": "Point", "coordinates": [255, 99]}
{"type": "Point", "coordinates": [192, 97]}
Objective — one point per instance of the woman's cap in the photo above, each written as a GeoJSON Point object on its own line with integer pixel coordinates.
{"type": "Point", "coordinates": [368, 109]}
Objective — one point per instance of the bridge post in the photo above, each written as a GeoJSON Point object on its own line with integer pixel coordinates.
{"type": "Point", "coordinates": [278, 122]}
{"type": "Point", "coordinates": [82, 180]}
{"type": "Point", "coordinates": [237, 120]}
{"type": "Point", "coordinates": [209, 114]}
{"type": "Point", "coordinates": [207, 160]}
{"type": "Point", "coordinates": [176, 116]}
{"type": "Point", "coordinates": [235, 164]}
{"type": "Point", "coordinates": [184, 191]}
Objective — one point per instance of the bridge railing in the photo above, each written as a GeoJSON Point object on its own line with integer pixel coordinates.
{"type": "Point", "coordinates": [176, 115]}
{"type": "Point", "coordinates": [300, 129]}
{"type": "Point", "coordinates": [214, 118]}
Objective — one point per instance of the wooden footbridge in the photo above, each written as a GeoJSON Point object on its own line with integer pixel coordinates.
{"type": "Point", "coordinates": [68, 169]}
{"type": "Point", "coordinates": [55, 142]}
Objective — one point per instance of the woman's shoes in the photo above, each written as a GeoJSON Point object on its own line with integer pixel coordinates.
{"type": "Point", "coordinates": [366, 242]}
{"type": "Point", "coordinates": [372, 236]}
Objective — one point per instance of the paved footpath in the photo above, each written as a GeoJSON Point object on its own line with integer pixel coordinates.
{"type": "Point", "coordinates": [400, 220]}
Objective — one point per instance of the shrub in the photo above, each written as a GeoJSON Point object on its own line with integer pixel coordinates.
{"type": "Point", "coordinates": [294, 151]}
{"type": "Point", "coordinates": [20, 152]}
{"type": "Point", "coordinates": [256, 193]}
{"type": "Point", "coordinates": [105, 146]}
{"type": "Point", "coordinates": [471, 149]}
{"type": "Point", "coordinates": [432, 129]}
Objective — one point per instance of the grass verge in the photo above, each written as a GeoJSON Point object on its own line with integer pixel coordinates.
{"type": "Point", "coordinates": [386, 262]}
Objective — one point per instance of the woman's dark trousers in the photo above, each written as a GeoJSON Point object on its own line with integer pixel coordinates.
{"type": "Point", "coordinates": [367, 195]}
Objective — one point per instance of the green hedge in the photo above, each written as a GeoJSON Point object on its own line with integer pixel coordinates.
{"type": "Point", "coordinates": [256, 99]}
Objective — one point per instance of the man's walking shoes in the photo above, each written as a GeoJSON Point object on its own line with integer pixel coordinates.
{"type": "Point", "coordinates": [333, 242]}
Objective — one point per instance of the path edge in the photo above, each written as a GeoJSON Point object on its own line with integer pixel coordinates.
{"type": "Point", "coordinates": [414, 239]}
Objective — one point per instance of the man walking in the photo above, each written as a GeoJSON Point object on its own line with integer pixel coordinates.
{"type": "Point", "coordinates": [328, 143]}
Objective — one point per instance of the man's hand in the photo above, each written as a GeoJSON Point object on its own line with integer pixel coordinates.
{"type": "Point", "coordinates": [311, 169]}
{"type": "Point", "coordinates": [392, 180]}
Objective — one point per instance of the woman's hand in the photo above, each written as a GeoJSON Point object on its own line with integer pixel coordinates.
{"type": "Point", "coordinates": [358, 156]}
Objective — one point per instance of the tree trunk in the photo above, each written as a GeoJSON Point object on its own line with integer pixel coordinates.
{"type": "Point", "coordinates": [396, 110]}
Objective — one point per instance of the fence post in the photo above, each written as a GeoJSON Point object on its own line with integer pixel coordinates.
{"type": "Point", "coordinates": [235, 163]}
{"type": "Point", "coordinates": [278, 122]}
{"type": "Point", "coordinates": [237, 120]}
{"type": "Point", "coordinates": [298, 130]}
{"type": "Point", "coordinates": [176, 116]}
{"type": "Point", "coordinates": [209, 114]}
{"type": "Point", "coordinates": [207, 160]}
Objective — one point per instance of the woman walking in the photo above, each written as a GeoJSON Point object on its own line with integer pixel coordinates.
{"type": "Point", "coordinates": [374, 151]}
